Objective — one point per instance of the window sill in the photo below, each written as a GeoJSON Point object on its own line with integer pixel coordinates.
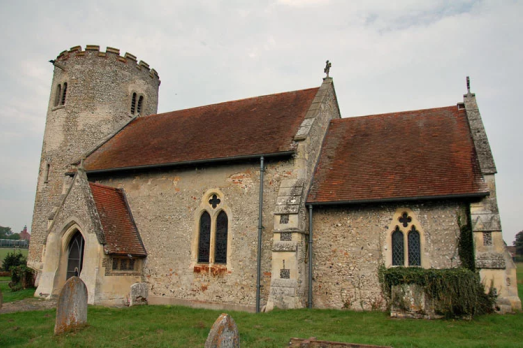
{"type": "Point", "coordinates": [58, 107]}
{"type": "Point", "coordinates": [214, 270]}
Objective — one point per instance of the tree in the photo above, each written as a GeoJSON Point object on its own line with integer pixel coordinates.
{"type": "Point", "coordinates": [5, 232]}
{"type": "Point", "coordinates": [518, 243]}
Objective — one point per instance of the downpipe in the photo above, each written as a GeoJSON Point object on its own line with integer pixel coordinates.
{"type": "Point", "coordinates": [260, 229]}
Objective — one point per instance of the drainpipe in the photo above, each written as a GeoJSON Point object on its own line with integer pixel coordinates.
{"type": "Point", "coordinates": [260, 227]}
{"type": "Point", "coordinates": [310, 256]}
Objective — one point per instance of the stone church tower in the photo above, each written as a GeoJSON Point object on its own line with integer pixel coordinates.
{"type": "Point", "coordinates": [93, 95]}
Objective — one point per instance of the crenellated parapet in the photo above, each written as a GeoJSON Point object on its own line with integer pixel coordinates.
{"type": "Point", "coordinates": [110, 53]}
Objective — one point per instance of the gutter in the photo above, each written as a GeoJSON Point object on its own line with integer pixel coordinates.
{"type": "Point", "coordinates": [260, 228]}
{"type": "Point", "coordinates": [204, 161]}
{"type": "Point", "coordinates": [403, 199]}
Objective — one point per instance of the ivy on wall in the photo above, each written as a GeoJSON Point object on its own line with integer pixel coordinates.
{"type": "Point", "coordinates": [455, 292]}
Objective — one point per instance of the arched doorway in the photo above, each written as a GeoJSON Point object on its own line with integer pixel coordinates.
{"type": "Point", "coordinates": [75, 256]}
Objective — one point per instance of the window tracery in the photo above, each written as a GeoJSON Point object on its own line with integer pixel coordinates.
{"type": "Point", "coordinates": [213, 230]}
{"type": "Point", "coordinates": [406, 242]}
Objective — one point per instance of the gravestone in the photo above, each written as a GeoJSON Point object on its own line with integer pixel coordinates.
{"type": "Point", "coordinates": [139, 293]}
{"type": "Point", "coordinates": [224, 333]}
{"type": "Point", "coordinates": [71, 310]}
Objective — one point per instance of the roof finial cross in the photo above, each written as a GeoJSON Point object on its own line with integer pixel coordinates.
{"type": "Point", "coordinates": [468, 85]}
{"type": "Point", "coordinates": [327, 68]}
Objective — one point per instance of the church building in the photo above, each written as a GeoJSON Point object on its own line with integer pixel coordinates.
{"type": "Point", "coordinates": [294, 206]}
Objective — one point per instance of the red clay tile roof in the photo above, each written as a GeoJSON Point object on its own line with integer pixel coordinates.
{"type": "Point", "coordinates": [247, 127]}
{"type": "Point", "coordinates": [121, 234]}
{"type": "Point", "coordinates": [404, 155]}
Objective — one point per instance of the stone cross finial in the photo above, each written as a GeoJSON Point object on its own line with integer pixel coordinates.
{"type": "Point", "coordinates": [327, 67]}
{"type": "Point", "coordinates": [468, 85]}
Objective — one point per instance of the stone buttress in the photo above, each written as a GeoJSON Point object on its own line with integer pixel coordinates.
{"type": "Point", "coordinates": [493, 261]}
{"type": "Point", "coordinates": [289, 250]}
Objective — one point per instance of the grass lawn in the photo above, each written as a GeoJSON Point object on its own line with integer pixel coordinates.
{"type": "Point", "coordinates": [10, 296]}
{"type": "Point", "coordinates": [173, 326]}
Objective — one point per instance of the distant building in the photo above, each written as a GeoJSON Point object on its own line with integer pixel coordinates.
{"type": "Point", "coordinates": [24, 235]}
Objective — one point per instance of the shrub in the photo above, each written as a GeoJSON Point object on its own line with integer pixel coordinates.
{"type": "Point", "coordinates": [13, 259]}
{"type": "Point", "coordinates": [22, 277]}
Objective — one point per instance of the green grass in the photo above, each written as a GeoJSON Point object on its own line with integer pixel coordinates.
{"type": "Point", "coordinates": [11, 296]}
{"type": "Point", "coordinates": [173, 326]}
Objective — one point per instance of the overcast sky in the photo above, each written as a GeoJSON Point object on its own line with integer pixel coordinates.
{"type": "Point", "coordinates": [386, 56]}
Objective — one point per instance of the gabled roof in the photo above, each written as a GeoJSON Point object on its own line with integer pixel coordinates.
{"type": "Point", "coordinates": [242, 128]}
{"type": "Point", "coordinates": [121, 234]}
{"type": "Point", "coordinates": [398, 156]}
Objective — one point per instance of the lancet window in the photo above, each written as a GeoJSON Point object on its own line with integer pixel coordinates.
{"type": "Point", "coordinates": [406, 242]}
{"type": "Point", "coordinates": [213, 233]}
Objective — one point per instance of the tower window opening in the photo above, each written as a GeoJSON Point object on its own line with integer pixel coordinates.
{"type": "Point", "coordinates": [140, 104]}
{"type": "Point", "coordinates": [64, 93]}
{"type": "Point", "coordinates": [46, 173]}
{"type": "Point", "coordinates": [133, 104]}
{"type": "Point", "coordinates": [58, 95]}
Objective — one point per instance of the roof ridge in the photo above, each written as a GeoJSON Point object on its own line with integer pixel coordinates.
{"type": "Point", "coordinates": [395, 112]}
{"type": "Point", "coordinates": [227, 102]}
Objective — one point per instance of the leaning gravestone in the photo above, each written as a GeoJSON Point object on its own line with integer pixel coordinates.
{"type": "Point", "coordinates": [139, 292]}
{"type": "Point", "coordinates": [71, 311]}
{"type": "Point", "coordinates": [224, 333]}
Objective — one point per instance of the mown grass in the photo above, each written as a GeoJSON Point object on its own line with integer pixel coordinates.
{"type": "Point", "coordinates": [166, 326]}
{"type": "Point", "coordinates": [10, 296]}
{"type": "Point", "coordinates": [173, 326]}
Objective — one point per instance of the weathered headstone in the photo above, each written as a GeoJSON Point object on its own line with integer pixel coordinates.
{"type": "Point", "coordinates": [139, 293]}
{"type": "Point", "coordinates": [224, 333]}
{"type": "Point", "coordinates": [71, 310]}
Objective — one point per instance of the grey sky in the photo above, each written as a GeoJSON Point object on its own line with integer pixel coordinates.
{"type": "Point", "coordinates": [386, 56]}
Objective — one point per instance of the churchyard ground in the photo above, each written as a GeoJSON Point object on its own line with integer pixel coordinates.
{"type": "Point", "coordinates": [172, 326]}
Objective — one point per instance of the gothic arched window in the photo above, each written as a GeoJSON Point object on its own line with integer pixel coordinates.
{"type": "Point", "coordinates": [204, 239]}
{"type": "Point", "coordinates": [58, 95]}
{"type": "Point", "coordinates": [133, 104]}
{"type": "Point", "coordinates": [398, 253]}
{"type": "Point", "coordinates": [140, 104]}
{"type": "Point", "coordinates": [414, 247]}
{"type": "Point", "coordinates": [75, 257]}
{"type": "Point", "coordinates": [406, 240]}
{"type": "Point", "coordinates": [220, 246]}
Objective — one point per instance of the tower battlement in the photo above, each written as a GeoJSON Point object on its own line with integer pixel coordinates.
{"type": "Point", "coordinates": [110, 53]}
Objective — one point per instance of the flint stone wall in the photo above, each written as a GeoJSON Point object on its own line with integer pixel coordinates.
{"type": "Point", "coordinates": [167, 206]}
{"type": "Point", "coordinates": [350, 245]}
{"type": "Point", "coordinates": [97, 103]}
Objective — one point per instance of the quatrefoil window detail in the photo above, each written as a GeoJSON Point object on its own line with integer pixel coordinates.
{"type": "Point", "coordinates": [405, 219]}
{"type": "Point", "coordinates": [214, 201]}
